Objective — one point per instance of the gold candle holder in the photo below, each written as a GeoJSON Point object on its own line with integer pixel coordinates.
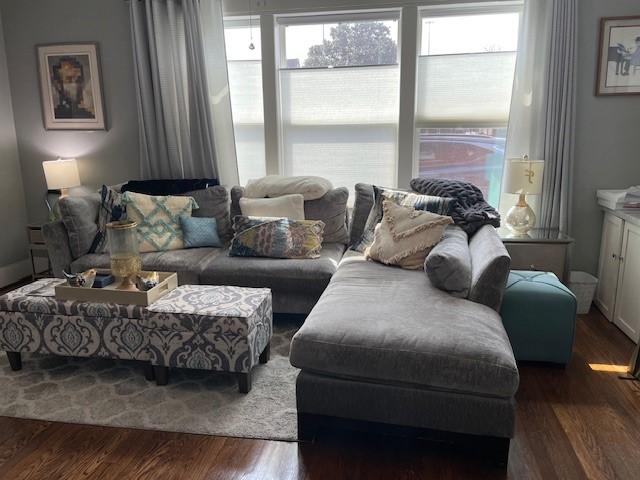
{"type": "Point", "coordinates": [126, 264]}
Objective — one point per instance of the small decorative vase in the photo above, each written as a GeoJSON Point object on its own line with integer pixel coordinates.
{"type": "Point", "coordinates": [520, 218]}
{"type": "Point", "coordinates": [126, 264]}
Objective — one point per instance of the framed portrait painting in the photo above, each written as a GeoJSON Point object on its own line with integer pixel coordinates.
{"type": "Point", "coordinates": [619, 57]}
{"type": "Point", "coordinates": [71, 87]}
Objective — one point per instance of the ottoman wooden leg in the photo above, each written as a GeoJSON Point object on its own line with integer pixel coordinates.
{"type": "Point", "coordinates": [15, 360]}
{"type": "Point", "coordinates": [244, 382]}
{"type": "Point", "coordinates": [266, 354]}
{"type": "Point", "coordinates": [149, 374]}
{"type": "Point", "coordinates": [162, 374]}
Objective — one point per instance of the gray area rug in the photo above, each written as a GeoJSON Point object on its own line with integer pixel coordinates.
{"type": "Point", "coordinates": [115, 393]}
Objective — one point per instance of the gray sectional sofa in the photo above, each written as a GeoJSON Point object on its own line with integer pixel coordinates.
{"type": "Point", "coordinates": [296, 285]}
{"type": "Point", "coordinates": [381, 347]}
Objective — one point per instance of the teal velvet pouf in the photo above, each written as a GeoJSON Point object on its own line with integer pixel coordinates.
{"type": "Point", "coordinates": [539, 315]}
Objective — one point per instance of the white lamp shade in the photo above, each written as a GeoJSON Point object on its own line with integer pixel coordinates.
{"type": "Point", "coordinates": [61, 173]}
{"type": "Point", "coordinates": [524, 176]}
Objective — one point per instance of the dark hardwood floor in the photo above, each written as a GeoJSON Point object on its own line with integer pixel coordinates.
{"type": "Point", "coordinates": [573, 423]}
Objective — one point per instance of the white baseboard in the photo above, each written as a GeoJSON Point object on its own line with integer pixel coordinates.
{"type": "Point", "coordinates": [14, 272]}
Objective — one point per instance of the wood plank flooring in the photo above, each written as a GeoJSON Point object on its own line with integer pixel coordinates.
{"type": "Point", "coordinates": [573, 423]}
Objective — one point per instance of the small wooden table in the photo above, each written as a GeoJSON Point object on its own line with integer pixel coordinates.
{"type": "Point", "coordinates": [545, 250]}
{"type": "Point", "coordinates": [37, 249]}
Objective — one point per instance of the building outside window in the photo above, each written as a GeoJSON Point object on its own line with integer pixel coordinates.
{"type": "Point", "coordinates": [465, 69]}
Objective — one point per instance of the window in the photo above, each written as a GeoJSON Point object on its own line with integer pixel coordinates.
{"type": "Point", "coordinates": [465, 70]}
{"type": "Point", "coordinates": [245, 88]}
{"type": "Point", "coordinates": [339, 93]}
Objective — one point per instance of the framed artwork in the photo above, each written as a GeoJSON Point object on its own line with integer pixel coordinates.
{"type": "Point", "coordinates": [619, 56]}
{"type": "Point", "coordinates": [71, 87]}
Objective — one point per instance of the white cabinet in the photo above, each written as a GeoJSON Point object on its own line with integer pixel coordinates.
{"type": "Point", "coordinates": [627, 311]}
{"type": "Point", "coordinates": [618, 295]}
{"type": "Point", "coordinates": [609, 265]}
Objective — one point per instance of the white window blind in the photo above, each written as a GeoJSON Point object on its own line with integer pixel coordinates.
{"type": "Point", "coordinates": [464, 83]}
{"type": "Point", "coordinates": [245, 88]}
{"type": "Point", "coordinates": [341, 123]}
{"type": "Point", "coordinates": [472, 89]}
{"type": "Point", "coordinates": [339, 99]}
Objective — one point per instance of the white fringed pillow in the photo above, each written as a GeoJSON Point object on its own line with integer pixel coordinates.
{"type": "Point", "coordinates": [405, 236]}
{"type": "Point", "coordinates": [311, 188]}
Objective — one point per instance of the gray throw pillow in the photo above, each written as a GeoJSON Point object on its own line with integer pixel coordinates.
{"type": "Point", "coordinates": [331, 209]}
{"type": "Point", "coordinates": [362, 206]}
{"type": "Point", "coordinates": [80, 217]}
{"type": "Point", "coordinates": [213, 202]}
{"type": "Point", "coordinates": [490, 263]}
{"type": "Point", "coordinates": [448, 265]}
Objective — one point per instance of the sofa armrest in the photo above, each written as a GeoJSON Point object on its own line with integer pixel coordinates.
{"type": "Point", "coordinates": [57, 240]}
{"type": "Point", "coordinates": [490, 264]}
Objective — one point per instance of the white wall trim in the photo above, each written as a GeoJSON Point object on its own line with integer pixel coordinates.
{"type": "Point", "coordinates": [14, 272]}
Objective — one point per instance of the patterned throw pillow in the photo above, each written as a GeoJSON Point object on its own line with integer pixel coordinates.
{"type": "Point", "coordinates": [200, 232]}
{"type": "Point", "coordinates": [158, 219]}
{"type": "Point", "coordinates": [276, 237]}
{"type": "Point", "coordinates": [405, 236]}
{"type": "Point", "coordinates": [111, 210]}
{"type": "Point", "coordinates": [439, 205]}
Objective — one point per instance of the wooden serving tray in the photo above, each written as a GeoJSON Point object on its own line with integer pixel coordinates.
{"type": "Point", "coordinates": [111, 294]}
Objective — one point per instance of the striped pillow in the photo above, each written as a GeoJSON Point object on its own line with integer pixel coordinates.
{"type": "Point", "coordinates": [428, 203]}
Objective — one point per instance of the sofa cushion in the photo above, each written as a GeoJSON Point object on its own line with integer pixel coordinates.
{"type": "Point", "coordinates": [290, 275]}
{"type": "Point", "coordinates": [362, 206]}
{"type": "Point", "coordinates": [213, 202]}
{"type": "Point", "coordinates": [187, 263]}
{"type": "Point", "coordinates": [389, 325]}
{"type": "Point", "coordinates": [330, 208]}
{"type": "Point", "coordinates": [490, 263]}
{"type": "Point", "coordinates": [286, 206]}
{"type": "Point", "coordinates": [448, 265]}
{"type": "Point", "coordinates": [80, 217]}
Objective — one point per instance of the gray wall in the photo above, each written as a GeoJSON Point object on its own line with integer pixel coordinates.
{"type": "Point", "coordinates": [103, 157]}
{"type": "Point", "coordinates": [12, 205]}
{"type": "Point", "coordinates": [607, 135]}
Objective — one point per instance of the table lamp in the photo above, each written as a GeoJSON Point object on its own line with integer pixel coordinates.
{"type": "Point", "coordinates": [60, 176]}
{"type": "Point", "coordinates": [523, 177]}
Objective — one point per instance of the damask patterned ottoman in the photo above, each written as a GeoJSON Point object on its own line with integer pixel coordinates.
{"type": "Point", "coordinates": [32, 320]}
{"type": "Point", "coordinates": [219, 328]}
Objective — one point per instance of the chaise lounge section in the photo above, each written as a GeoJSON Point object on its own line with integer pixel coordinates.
{"type": "Point", "coordinates": [383, 348]}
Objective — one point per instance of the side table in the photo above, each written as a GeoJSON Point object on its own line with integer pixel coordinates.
{"type": "Point", "coordinates": [37, 249]}
{"type": "Point", "coordinates": [542, 249]}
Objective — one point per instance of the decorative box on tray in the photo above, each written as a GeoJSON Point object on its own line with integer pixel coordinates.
{"type": "Point", "coordinates": [167, 281]}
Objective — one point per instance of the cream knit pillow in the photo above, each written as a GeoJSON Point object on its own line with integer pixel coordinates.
{"type": "Point", "coordinates": [405, 236]}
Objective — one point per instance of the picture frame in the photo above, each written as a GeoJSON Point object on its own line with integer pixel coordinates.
{"type": "Point", "coordinates": [71, 86]}
{"type": "Point", "coordinates": [619, 56]}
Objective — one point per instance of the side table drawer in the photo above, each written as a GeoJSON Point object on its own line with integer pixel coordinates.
{"type": "Point", "coordinates": [538, 256]}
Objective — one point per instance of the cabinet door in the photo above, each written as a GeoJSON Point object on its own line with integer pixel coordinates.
{"type": "Point", "coordinates": [627, 310]}
{"type": "Point", "coordinates": [609, 264]}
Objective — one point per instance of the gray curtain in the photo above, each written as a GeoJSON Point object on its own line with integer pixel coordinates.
{"type": "Point", "coordinates": [175, 121]}
{"type": "Point", "coordinates": [555, 208]}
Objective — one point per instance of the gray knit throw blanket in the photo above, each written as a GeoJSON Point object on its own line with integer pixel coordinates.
{"type": "Point", "coordinates": [471, 212]}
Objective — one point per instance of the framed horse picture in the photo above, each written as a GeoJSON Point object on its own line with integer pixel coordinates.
{"type": "Point", "coordinates": [619, 56]}
{"type": "Point", "coordinates": [70, 87]}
